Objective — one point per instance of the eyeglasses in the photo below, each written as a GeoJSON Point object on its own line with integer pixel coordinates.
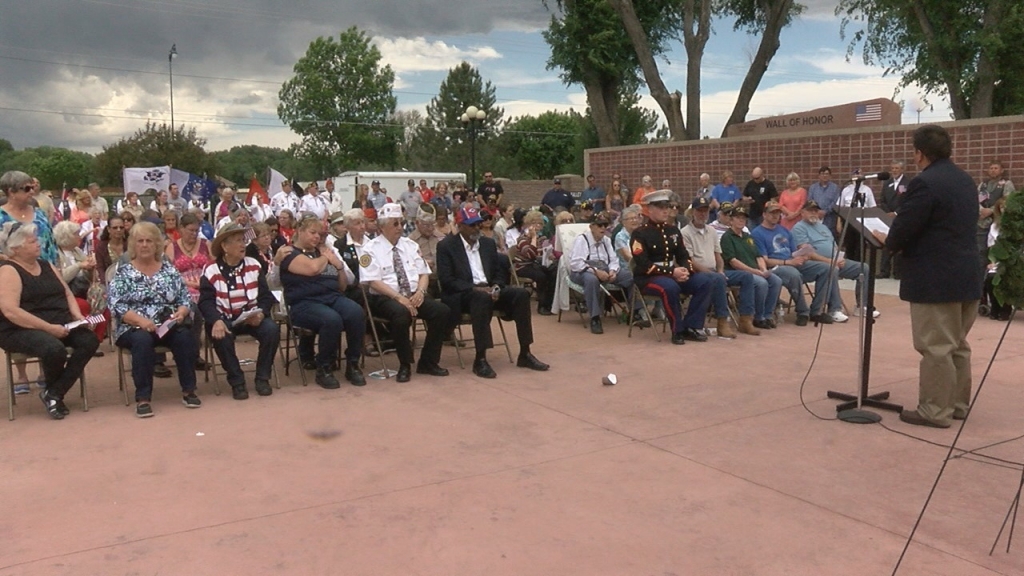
{"type": "Point", "coordinates": [28, 188]}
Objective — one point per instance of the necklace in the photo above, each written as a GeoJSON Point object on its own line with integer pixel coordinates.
{"type": "Point", "coordinates": [190, 252]}
{"type": "Point", "coordinates": [27, 213]}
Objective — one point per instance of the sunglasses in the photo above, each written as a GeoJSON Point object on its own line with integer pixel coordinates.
{"type": "Point", "coordinates": [602, 225]}
{"type": "Point", "coordinates": [28, 188]}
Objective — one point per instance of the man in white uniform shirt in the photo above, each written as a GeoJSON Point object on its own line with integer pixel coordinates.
{"type": "Point", "coordinates": [334, 202]}
{"type": "Point", "coordinates": [398, 277]}
{"type": "Point", "coordinates": [314, 202]}
{"type": "Point", "coordinates": [286, 199]}
{"type": "Point", "coordinates": [593, 262]}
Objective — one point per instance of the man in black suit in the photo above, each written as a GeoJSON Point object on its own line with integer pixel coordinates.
{"type": "Point", "coordinates": [474, 280]}
{"type": "Point", "coordinates": [892, 191]}
{"type": "Point", "coordinates": [934, 230]}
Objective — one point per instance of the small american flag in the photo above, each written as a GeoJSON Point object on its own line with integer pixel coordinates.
{"type": "Point", "coordinates": [868, 112]}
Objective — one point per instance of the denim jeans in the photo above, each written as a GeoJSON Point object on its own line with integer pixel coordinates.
{"type": "Point", "coordinates": [328, 321]}
{"type": "Point", "coordinates": [748, 289]}
{"type": "Point", "coordinates": [184, 347]}
{"type": "Point", "coordinates": [267, 334]}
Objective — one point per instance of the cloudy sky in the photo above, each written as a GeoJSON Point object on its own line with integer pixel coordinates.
{"type": "Point", "coordinates": [83, 73]}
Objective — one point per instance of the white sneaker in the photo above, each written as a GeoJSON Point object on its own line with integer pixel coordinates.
{"type": "Point", "coordinates": [858, 312]}
{"type": "Point", "coordinates": [838, 317]}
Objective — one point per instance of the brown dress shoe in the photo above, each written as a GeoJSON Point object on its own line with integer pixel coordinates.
{"type": "Point", "coordinates": [912, 417]}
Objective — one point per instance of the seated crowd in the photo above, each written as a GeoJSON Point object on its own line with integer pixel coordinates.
{"type": "Point", "coordinates": [167, 276]}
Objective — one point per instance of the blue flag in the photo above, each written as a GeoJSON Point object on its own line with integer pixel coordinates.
{"type": "Point", "coordinates": [198, 189]}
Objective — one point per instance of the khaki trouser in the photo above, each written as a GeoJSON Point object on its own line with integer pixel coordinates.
{"type": "Point", "coordinates": [940, 336]}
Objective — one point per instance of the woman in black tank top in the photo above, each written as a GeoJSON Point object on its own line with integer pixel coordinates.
{"type": "Point", "coordinates": [36, 307]}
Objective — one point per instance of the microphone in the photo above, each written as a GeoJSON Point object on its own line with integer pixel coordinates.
{"type": "Point", "coordinates": [883, 176]}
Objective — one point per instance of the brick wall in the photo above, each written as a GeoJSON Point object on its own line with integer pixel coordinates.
{"type": "Point", "coordinates": [527, 193]}
{"type": "Point", "coordinates": [975, 144]}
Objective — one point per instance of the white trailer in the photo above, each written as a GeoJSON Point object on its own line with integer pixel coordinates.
{"type": "Point", "coordinates": [347, 183]}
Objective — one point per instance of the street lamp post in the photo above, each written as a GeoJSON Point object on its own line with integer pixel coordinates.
{"type": "Point", "coordinates": [473, 118]}
{"type": "Point", "coordinates": [171, 55]}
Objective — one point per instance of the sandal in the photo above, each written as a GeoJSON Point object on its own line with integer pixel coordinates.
{"type": "Point", "coordinates": [52, 405]}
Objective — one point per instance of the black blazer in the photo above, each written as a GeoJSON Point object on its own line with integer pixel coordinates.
{"type": "Point", "coordinates": [890, 200]}
{"type": "Point", "coordinates": [456, 276]}
{"type": "Point", "coordinates": [935, 229]}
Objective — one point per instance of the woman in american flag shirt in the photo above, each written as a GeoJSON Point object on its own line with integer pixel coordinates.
{"type": "Point", "coordinates": [234, 299]}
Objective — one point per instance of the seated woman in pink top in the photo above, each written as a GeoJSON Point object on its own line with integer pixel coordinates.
{"type": "Point", "coordinates": [792, 200]}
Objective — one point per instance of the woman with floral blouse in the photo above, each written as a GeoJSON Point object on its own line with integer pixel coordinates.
{"type": "Point", "coordinates": [149, 300]}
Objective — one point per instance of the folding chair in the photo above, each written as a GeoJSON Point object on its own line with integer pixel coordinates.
{"type": "Point", "coordinates": [647, 312]}
{"type": "Point", "coordinates": [281, 316]}
{"type": "Point", "coordinates": [122, 381]}
{"type": "Point", "coordinates": [122, 370]}
{"type": "Point", "coordinates": [13, 358]}
{"type": "Point", "coordinates": [461, 341]}
{"type": "Point", "coordinates": [526, 283]}
{"type": "Point", "coordinates": [384, 373]}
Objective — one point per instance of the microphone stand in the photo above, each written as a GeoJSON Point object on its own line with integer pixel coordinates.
{"type": "Point", "coordinates": [851, 410]}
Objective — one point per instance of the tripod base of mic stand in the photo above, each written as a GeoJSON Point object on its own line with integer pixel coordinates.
{"type": "Point", "coordinates": [856, 416]}
{"type": "Point", "coordinates": [876, 400]}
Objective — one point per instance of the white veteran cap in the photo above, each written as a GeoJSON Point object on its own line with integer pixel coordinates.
{"type": "Point", "coordinates": [390, 210]}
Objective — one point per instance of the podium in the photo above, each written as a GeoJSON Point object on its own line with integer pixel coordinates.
{"type": "Point", "coordinates": [869, 250]}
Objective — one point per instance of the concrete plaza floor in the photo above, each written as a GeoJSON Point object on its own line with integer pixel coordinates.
{"type": "Point", "coordinates": [701, 461]}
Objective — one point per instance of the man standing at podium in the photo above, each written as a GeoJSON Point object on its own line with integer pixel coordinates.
{"type": "Point", "coordinates": [934, 230]}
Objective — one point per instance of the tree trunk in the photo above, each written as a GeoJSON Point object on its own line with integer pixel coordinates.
{"type": "Point", "coordinates": [981, 100]}
{"type": "Point", "coordinates": [604, 110]}
{"type": "Point", "coordinates": [694, 41]}
{"type": "Point", "coordinates": [670, 102]}
{"type": "Point", "coordinates": [950, 69]}
{"type": "Point", "coordinates": [777, 12]}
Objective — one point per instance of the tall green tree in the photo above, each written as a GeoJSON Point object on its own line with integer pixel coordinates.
{"type": "Point", "coordinates": [55, 167]}
{"type": "Point", "coordinates": [58, 167]}
{"type": "Point", "coordinates": [442, 138]}
{"type": "Point", "coordinates": [759, 18]}
{"type": "Point", "coordinates": [545, 145]}
{"type": "Point", "coordinates": [241, 162]}
{"type": "Point", "coordinates": [340, 101]}
{"type": "Point", "coordinates": [978, 66]}
{"type": "Point", "coordinates": [590, 48]}
{"type": "Point", "coordinates": [155, 145]}
{"type": "Point", "coordinates": [637, 125]}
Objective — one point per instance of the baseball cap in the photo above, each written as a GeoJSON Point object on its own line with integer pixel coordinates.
{"type": "Point", "coordinates": [725, 208]}
{"type": "Point", "coordinates": [770, 206]}
{"type": "Point", "coordinates": [700, 202]}
{"type": "Point", "coordinates": [370, 213]}
{"type": "Point", "coordinates": [558, 180]}
{"type": "Point", "coordinates": [601, 218]}
{"type": "Point", "coordinates": [811, 205]}
{"type": "Point", "coordinates": [337, 218]}
{"type": "Point", "coordinates": [376, 182]}
{"type": "Point", "coordinates": [468, 216]}
{"type": "Point", "coordinates": [739, 211]}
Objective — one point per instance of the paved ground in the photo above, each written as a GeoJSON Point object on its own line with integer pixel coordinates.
{"type": "Point", "coordinates": [701, 461]}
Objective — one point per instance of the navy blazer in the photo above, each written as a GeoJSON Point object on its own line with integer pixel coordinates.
{"type": "Point", "coordinates": [935, 230]}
